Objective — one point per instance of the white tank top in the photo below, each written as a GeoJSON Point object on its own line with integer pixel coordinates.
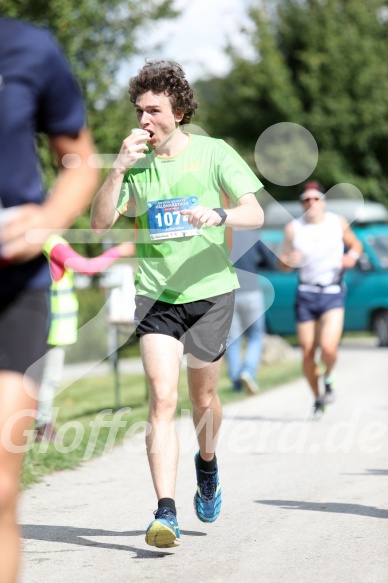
{"type": "Point", "coordinates": [322, 248]}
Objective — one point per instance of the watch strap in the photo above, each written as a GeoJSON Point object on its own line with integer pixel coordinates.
{"type": "Point", "coordinates": [223, 215]}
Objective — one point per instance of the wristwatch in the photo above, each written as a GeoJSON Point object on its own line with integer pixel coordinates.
{"type": "Point", "coordinates": [223, 216]}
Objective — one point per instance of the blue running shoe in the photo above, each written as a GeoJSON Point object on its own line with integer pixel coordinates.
{"type": "Point", "coordinates": [208, 497]}
{"type": "Point", "coordinates": [163, 532]}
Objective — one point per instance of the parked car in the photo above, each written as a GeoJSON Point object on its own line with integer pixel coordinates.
{"type": "Point", "coordinates": [366, 305]}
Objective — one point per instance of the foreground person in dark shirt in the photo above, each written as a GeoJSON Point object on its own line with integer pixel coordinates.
{"type": "Point", "coordinates": [38, 93]}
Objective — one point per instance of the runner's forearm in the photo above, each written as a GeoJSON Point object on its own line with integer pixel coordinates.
{"type": "Point", "coordinates": [74, 187]}
{"type": "Point", "coordinates": [245, 216]}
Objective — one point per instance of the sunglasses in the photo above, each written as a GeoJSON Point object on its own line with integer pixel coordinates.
{"type": "Point", "coordinates": [311, 198]}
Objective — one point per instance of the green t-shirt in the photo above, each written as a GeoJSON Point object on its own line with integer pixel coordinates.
{"type": "Point", "coordinates": [187, 268]}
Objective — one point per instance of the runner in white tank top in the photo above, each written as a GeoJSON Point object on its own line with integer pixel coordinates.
{"type": "Point", "coordinates": [315, 244]}
{"type": "Point", "coordinates": [322, 247]}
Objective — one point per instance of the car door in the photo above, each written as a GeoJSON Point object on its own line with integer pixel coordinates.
{"type": "Point", "coordinates": [367, 283]}
{"type": "Point", "coordinates": [279, 287]}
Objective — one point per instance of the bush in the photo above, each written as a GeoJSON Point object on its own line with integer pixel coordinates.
{"type": "Point", "coordinates": [92, 341]}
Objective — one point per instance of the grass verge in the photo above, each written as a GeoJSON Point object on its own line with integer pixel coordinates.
{"type": "Point", "coordinates": [84, 408]}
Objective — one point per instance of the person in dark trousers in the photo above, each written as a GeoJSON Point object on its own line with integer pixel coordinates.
{"type": "Point", "coordinates": [248, 255]}
{"type": "Point", "coordinates": [185, 281]}
{"type": "Point", "coordinates": [38, 93]}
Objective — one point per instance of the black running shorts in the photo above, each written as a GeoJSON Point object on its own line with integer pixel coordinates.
{"type": "Point", "coordinates": [24, 325]}
{"type": "Point", "coordinates": [201, 326]}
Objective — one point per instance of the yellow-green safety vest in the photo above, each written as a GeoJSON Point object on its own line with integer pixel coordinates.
{"type": "Point", "coordinates": [64, 302]}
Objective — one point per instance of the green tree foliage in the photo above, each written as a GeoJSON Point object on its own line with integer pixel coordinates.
{"type": "Point", "coordinates": [96, 35]}
{"type": "Point", "coordinates": [319, 63]}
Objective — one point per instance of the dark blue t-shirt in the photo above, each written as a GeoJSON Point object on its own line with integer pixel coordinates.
{"type": "Point", "coordinates": [38, 93]}
{"type": "Point", "coordinates": [249, 254]}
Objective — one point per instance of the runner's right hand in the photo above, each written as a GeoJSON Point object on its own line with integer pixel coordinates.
{"type": "Point", "coordinates": [132, 150]}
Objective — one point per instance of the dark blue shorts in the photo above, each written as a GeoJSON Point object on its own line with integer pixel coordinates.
{"type": "Point", "coordinates": [311, 305]}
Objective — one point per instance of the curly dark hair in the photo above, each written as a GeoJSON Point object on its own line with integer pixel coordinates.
{"type": "Point", "coordinates": [165, 77]}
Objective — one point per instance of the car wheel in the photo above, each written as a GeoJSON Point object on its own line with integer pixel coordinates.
{"type": "Point", "coordinates": [380, 327]}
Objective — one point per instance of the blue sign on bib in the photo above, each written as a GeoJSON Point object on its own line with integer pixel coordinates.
{"type": "Point", "coordinates": [165, 220]}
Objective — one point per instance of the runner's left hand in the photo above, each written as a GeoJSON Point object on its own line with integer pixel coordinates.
{"type": "Point", "coordinates": [201, 216]}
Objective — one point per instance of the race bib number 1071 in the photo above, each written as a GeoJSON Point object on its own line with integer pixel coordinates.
{"type": "Point", "coordinates": [165, 220]}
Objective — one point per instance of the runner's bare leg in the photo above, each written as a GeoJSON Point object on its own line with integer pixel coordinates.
{"type": "Point", "coordinates": [330, 335]}
{"type": "Point", "coordinates": [207, 410]}
{"type": "Point", "coordinates": [307, 336]}
{"type": "Point", "coordinates": [17, 400]}
{"type": "Point", "coordinates": [162, 356]}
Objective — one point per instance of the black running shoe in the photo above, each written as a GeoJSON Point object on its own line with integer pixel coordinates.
{"type": "Point", "coordinates": [318, 409]}
{"type": "Point", "coordinates": [329, 396]}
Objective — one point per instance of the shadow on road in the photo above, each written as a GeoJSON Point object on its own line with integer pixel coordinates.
{"type": "Point", "coordinates": [262, 418]}
{"type": "Point", "coordinates": [76, 536]}
{"type": "Point", "coordinates": [375, 472]}
{"type": "Point", "coordinates": [336, 507]}
{"type": "Point", "coordinates": [348, 347]}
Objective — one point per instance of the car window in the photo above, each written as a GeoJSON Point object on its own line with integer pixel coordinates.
{"type": "Point", "coordinates": [379, 245]}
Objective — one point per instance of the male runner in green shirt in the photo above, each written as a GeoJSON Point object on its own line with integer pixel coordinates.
{"type": "Point", "coordinates": [185, 281]}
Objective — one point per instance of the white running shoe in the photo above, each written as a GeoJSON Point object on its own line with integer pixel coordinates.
{"type": "Point", "coordinates": [249, 383]}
